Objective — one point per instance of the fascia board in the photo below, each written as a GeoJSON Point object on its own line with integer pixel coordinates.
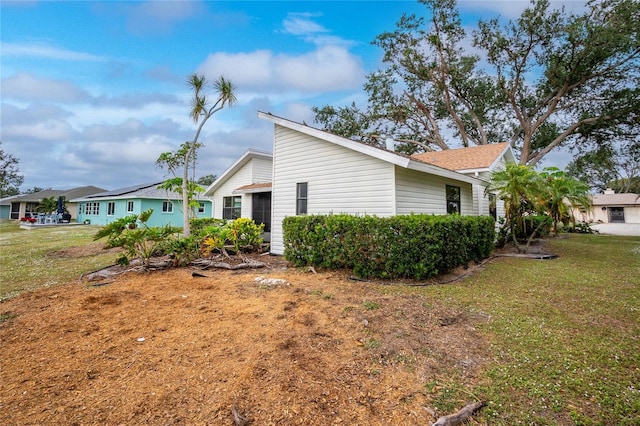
{"type": "Point", "coordinates": [371, 151]}
{"type": "Point", "coordinates": [237, 165]}
{"type": "Point", "coordinates": [384, 155]}
{"type": "Point", "coordinates": [442, 172]}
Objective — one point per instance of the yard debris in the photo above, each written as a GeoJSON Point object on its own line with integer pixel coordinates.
{"type": "Point", "coordinates": [208, 263]}
{"type": "Point", "coordinates": [460, 416]}
{"type": "Point", "coordinates": [238, 419]}
{"type": "Point", "coordinates": [271, 281]}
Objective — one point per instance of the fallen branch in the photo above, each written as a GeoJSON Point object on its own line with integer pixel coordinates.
{"type": "Point", "coordinates": [205, 263]}
{"type": "Point", "coordinates": [460, 416]}
{"type": "Point", "coordinates": [238, 419]}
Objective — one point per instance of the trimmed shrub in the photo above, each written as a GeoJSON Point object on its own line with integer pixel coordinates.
{"type": "Point", "coordinates": [411, 246]}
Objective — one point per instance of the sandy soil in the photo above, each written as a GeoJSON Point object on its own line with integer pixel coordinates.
{"type": "Point", "coordinates": [276, 346]}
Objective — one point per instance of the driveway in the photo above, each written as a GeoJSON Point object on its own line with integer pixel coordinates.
{"type": "Point", "coordinates": [632, 229]}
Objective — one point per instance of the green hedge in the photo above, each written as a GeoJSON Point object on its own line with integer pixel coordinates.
{"type": "Point", "coordinates": [413, 246]}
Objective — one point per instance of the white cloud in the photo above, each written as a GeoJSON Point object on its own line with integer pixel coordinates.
{"type": "Point", "coordinates": [30, 88]}
{"type": "Point", "coordinates": [300, 24]}
{"type": "Point", "coordinates": [51, 130]}
{"type": "Point", "coordinates": [154, 17]}
{"type": "Point", "coordinates": [46, 51]}
{"type": "Point", "coordinates": [245, 69]}
{"type": "Point", "coordinates": [327, 68]}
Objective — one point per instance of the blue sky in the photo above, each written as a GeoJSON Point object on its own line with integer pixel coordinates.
{"type": "Point", "coordinates": [93, 92]}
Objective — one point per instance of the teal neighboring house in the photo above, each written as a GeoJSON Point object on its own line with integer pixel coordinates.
{"type": "Point", "coordinates": [105, 207]}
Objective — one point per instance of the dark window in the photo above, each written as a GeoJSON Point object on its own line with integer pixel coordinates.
{"type": "Point", "coordinates": [231, 207]}
{"type": "Point", "coordinates": [129, 206]}
{"type": "Point", "coordinates": [200, 207]}
{"type": "Point", "coordinates": [301, 198]}
{"type": "Point", "coordinates": [30, 209]}
{"type": "Point", "coordinates": [261, 210]}
{"type": "Point", "coordinates": [453, 199]}
{"type": "Point", "coordinates": [167, 207]}
{"type": "Point", "coordinates": [111, 208]}
{"type": "Point", "coordinates": [493, 202]}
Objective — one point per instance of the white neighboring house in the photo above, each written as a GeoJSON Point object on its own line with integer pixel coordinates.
{"type": "Point", "coordinates": [315, 172]}
{"type": "Point", "coordinates": [614, 208]}
{"type": "Point", "coordinates": [244, 189]}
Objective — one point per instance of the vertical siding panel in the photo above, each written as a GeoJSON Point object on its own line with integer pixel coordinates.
{"type": "Point", "coordinates": [418, 192]}
{"type": "Point", "coordinates": [339, 180]}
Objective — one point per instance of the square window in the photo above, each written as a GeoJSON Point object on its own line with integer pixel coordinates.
{"type": "Point", "coordinates": [167, 207]}
{"type": "Point", "coordinates": [232, 207]}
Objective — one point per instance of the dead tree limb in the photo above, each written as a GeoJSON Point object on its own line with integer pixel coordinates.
{"type": "Point", "coordinates": [459, 417]}
{"type": "Point", "coordinates": [238, 419]}
{"type": "Point", "coordinates": [205, 263]}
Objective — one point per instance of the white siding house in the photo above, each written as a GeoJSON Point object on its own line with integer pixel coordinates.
{"type": "Point", "coordinates": [244, 189]}
{"type": "Point", "coordinates": [610, 207]}
{"type": "Point", "coordinates": [315, 172]}
{"type": "Point", "coordinates": [477, 161]}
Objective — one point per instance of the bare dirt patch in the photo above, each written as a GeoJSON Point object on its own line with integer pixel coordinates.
{"type": "Point", "coordinates": [274, 346]}
{"type": "Point", "coordinates": [82, 251]}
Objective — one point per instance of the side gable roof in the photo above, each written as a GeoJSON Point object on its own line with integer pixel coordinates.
{"type": "Point", "coordinates": [395, 158]}
{"type": "Point", "coordinates": [145, 190]}
{"type": "Point", "coordinates": [472, 159]}
{"type": "Point", "coordinates": [233, 169]}
{"type": "Point", "coordinates": [69, 194]}
{"type": "Point", "coordinates": [625, 199]}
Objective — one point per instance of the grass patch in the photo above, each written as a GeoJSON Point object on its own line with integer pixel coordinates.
{"type": "Point", "coordinates": [565, 334]}
{"type": "Point", "coordinates": [370, 305]}
{"type": "Point", "coordinates": [27, 260]}
{"type": "Point", "coordinates": [6, 316]}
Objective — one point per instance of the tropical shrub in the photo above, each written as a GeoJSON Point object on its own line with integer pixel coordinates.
{"type": "Point", "coordinates": [245, 233]}
{"type": "Point", "coordinates": [214, 239]}
{"type": "Point", "coordinates": [137, 240]}
{"type": "Point", "coordinates": [198, 225]}
{"type": "Point", "coordinates": [183, 250]}
{"type": "Point", "coordinates": [535, 203]}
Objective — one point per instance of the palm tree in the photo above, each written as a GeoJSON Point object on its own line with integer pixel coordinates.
{"type": "Point", "coordinates": [202, 108]}
{"type": "Point", "coordinates": [47, 205]}
{"type": "Point", "coordinates": [518, 186]}
{"type": "Point", "coordinates": [560, 193]}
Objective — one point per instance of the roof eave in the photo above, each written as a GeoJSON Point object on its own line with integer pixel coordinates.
{"type": "Point", "coordinates": [231, 170]}
{"type": "Point", "coordinates": [381, 154]}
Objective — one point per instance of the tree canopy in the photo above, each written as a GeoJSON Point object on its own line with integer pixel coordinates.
{"type": "Point", "coordinates": [544, 80]}
{"type": "Point", "coordinates": [10, 177]}
{"type": "Point", "coordinates": [615, 166]}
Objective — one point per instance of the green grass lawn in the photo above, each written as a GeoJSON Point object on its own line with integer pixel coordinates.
{"type": "Point", "coordinates": [28, 260]}
{"type": "Point", "coordinates": [564, 333]}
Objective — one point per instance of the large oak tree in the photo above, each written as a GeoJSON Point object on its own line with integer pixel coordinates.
{"type": "Point", "coordinates": [10, 177]}
{"type": "Point", "coordinates": [545, 80]}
